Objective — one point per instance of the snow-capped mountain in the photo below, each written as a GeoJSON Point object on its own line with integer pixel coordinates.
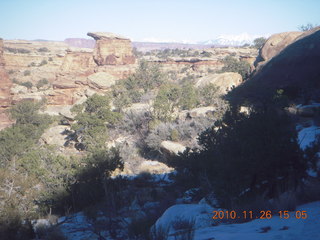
{"type": "Point", "coordinates": [233, 40]}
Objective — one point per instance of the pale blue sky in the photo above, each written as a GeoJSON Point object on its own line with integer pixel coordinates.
{"type": "Point", "coordinates": [144, 19]}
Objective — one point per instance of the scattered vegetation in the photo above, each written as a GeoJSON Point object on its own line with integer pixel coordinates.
{"type": "Point", "coordinates": [26, 73]}
{"type": "Point", "coordinates": [237, 170]}
{"type": "Point", "coordinates": [92, 120]}
{"type": "Point", "coordinates": [231, 64]}
{"type": "Point", "coordinates": [43, 62]}
{"type": "Point", "coordinates": [307, 27]}
{"type": "Point", "coordinates": [41, 83]}
{"type": "Point", "coordinates": [259, 42]}
{"type": "Point", "coordinates": [17, 50]}
{"type": "Point", "coordinates": [43, 49]}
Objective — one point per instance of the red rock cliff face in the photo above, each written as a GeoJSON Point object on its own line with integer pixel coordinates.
{"type": "Point", "coordinates": [5, 85]}
{"type": "Point", "coordinates": [111, 49]}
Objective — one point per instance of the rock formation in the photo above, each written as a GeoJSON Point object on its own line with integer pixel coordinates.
{"type": "Point", "coordinates": [295, 69]}
{"type": "Point", "coordinates": [275, 44]}
{"type": "Point", "coordinates": [225, 81]}
{"type": "Point", "coordinates": [111, 49]}
{"type": "Point", "coordinates": [5, 85]}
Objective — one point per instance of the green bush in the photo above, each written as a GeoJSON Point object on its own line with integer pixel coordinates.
{"type": "Point", "coordinates": [43, 62]}
{"type": "Point", "coordinates": [42, 83]}
{"type": "Point", "coordinates": [259, 42]}
{"type": "Point", "coordinates": [92, 119]}
{"type": "Point", "coordinates": [26, 73]}
{"type": "Point", "coordinates": [247, 156]}
{"type": "Point", "coordinates": [166, 102]}
{"type": "Point", "coordinates": [27, 84]}
{"type": "Point", "coordinates": [189, 97]}
{"type": "Point", "coordinates": [43, 49]}
{"type": "Point", "coordinates": [231, 64]}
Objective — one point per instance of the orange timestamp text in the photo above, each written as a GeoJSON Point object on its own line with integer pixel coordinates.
{"type": "Point", "coordinates": [264, 214]}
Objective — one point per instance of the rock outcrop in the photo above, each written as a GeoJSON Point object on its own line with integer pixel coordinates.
{"type": "Point", "coordinates": [225, 81]}
{"type": "Point", "coordinates": [276, 43]}
{"type": "Point", "coordinates": [172, 148]}
{"type": "Point", "coordinates": [5, 85]}
{"type": "Point", "coordinates": [101, 80]}
{"type": "Point", "coordinates": [295, 70]}
{"type": "Point", "coordinates": [112, 49]}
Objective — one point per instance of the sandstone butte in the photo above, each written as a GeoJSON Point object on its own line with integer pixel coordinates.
{"type": "Point", "coordinates": [111, 49]}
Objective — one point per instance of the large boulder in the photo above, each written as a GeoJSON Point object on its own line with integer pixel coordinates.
{"type": "Point", "coordinates": [295, 70]}
{"type": "Point", "coordinates": [112, 49]}
{"type": "Point", "coordinates": [172, 148]}
{"type": "Point", "coordinates": [101, 80]}
{"type": "Point", "coordinates": [55, 135]}
{"type": "Point", "coordinates": [276, 43]}
{"type": "Point", "coordinates": [225, 81]}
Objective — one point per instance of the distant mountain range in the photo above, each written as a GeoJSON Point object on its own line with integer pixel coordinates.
{"type": "Point", "coordinates": [151, 44]}
{"type": "Point", "coordinates": [232, 40]}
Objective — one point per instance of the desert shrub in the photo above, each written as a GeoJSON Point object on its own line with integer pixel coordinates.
{"type": "Point", "coordinates": [43, 62]}
{"type": "Point", "coordinates": [166, 102]}
{"type": "Point", "coordinates": [147, 77]}
{"type": "Point", "coordinates": [32, 64]}
{"type": "Point", "coordinates": [231, 64]}
{"type": "Point", "coordinates": [174, 136]}
{"type": "Point", "coordinates": [189, 97]}
{"type": "Point", "coordinates": [43, 49]}
{"type": "Point", "coordinates": [92, 178]}
{"type": "Point", "coordinates": [29, 126]}
{"type": "Point", "coordinates": [259, 42]}
{"type": "Point", "coordinates": [11, 71]}
{"type": "Point", "coordinates": [184, 229]}
{"type": "Point", "coordinates": [17, 50]}
{"type": "Point", "coordinates": [50, 59]}
{"type": "Point", "coordinates": [92, 120]}
{"type": "Point", "coordinates": [206, 54]}
{"type": "Point", "coordinates": [268, 162]}
{"type": "Point", "coordinates": [42, 83]}
{"type": "Point", "coordinates": [26, 73]}
{"type": "Point", "coordinates": [307, 27]}
{"type": "Point", "coordinates": [27, 84]}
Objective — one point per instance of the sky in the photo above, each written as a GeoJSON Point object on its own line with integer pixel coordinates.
{"type": "Point", "coordinates": [140, 20]}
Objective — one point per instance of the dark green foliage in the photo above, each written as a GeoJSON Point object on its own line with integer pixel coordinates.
{"type": "Point", "coordinates": [43, 62]}
{"type": "Point", "coordinates": [26, 73]}
{"type": "Point", "coordinates": [42, 83]}
{"type": "Point", "coordinates": [27, 84]}
{"type": "Point", "coordinates": [166, 101]}
{"type": "Point", "coordinates": [231, 64]}
{"type": "Point", "coordinates": [17, 50]}
{"type": "Point", "coordinates": [93, 118]}
{"type": "Point", "coordinates": [147, 77]}
{"type": "Point", "coordinates": [247, 156]}
{"type": "Point", "coordinates": [259, 42]}
{"type": "Point", "coordinates": [16, 140]}
{"type": "Point", "coordinates": [92, 179]}
{"type": "Point", "coordinates": [189, 97]}
{"type": "Point", "coordinates": [43, 49]}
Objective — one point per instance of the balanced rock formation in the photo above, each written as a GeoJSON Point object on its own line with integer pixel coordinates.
{"type": "Point", "coordinates": [225, 81]}
{"type": "Point", "coordinates": [112, 49]}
